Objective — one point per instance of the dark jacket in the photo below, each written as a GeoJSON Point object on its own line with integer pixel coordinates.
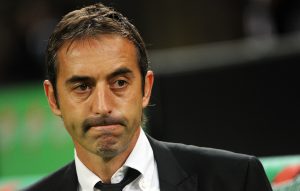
{"type": "Point", "coordinates": [183, 168]}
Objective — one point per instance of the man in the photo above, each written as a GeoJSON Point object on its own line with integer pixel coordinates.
{"type": "Point", "coordinates": [99, 83]}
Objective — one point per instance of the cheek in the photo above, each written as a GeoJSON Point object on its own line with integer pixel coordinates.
{"type": "Point", "coordinates": [134, 98]}
{"type": "Point", "coordinates": [72, 116]}
{"type": "Point", "coordinates": [131, 106]}
{"type": "Point", "coordinates": [72, 113]}
{"type": "Point", "coordinates": [134, 110]}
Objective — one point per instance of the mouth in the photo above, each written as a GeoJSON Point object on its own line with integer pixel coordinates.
{"type": "Point", "coordinates": [106, 133]}
{"type": "Point", "coordinates": [106, 128]}
{"type": "Point", "coordinates": [105, 124]}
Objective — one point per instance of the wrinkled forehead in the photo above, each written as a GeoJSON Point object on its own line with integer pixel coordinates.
{"type": "Point", "coordinates": [109, 43]}
{"type": "Point", "coordinates": [97, 43]}
{"type": "Point", "coordinates": [103, 52]}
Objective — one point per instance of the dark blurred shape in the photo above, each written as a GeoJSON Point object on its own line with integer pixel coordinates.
{"type": "Point", "coordinates": [248, 105]}
{"type": "Point", "coordinates": [286, 15]}
{"type": "Point", "coordinates": [25, 28]}
{"type": "Point", "coordinates": [27, 24]}
{"type": "Point", "coordinates": [258, 20]}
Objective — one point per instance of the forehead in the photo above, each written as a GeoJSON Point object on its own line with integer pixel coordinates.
{"type": "Point", "coordinates": [103, 50]}
{"type": "Point", "coordinates": [99, 43]}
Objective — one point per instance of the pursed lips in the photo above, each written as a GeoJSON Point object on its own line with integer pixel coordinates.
{"type": "Point", "coordinates": [103, 123]}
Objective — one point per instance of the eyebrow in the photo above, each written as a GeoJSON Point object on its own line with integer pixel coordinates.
{"type": "Point", "coordinates": [76, 78]}
{"type": "Point", "coordinates": [120, 71]}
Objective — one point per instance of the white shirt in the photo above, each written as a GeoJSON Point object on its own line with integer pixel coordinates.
{"type": "Point", "coordinates": [141, 158]}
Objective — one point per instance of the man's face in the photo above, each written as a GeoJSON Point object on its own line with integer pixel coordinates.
{"type": "Point", "coordinates": [100, 94]}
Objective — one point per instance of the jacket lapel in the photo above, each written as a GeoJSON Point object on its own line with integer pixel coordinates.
{"type": "Point", "coordinates": [69, 180]}
{"type": "Point", "coordinates": [171, 176]}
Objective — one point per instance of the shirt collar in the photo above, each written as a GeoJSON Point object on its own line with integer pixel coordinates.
{"type": "Point", "coordinates": [141, 158]}
{"type": "Point", "coordinates": [86, 178]}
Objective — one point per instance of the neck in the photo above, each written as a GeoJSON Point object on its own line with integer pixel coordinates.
{"type": "Point", "coordinates": [104, 167]}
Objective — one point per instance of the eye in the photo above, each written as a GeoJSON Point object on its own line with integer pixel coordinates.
{"type": "Point", "coordinates": [121, 83]}
{"type": "Point", "coordinates": [118, 84]}
{"type": "Point", "coordinates": [81, 88]}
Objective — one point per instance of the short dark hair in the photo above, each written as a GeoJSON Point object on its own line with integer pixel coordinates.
{"type": "Point", "coordinates": [88, 22]}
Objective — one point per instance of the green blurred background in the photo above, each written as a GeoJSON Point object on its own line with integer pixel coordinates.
{"type": "Point", "coordinates": [33, 142]}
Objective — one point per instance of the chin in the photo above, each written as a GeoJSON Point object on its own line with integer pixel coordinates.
{"type": "Point", "coordinates": [107, 153]}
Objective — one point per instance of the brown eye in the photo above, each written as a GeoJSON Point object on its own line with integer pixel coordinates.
{"type": "Point", "coordinates": [121, 83]}
{"type": "Point", "coordinates": [82, 88]}
{"type": "Point", "coordinates": [118, 84]}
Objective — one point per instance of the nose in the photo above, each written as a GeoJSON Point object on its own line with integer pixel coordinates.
{"type": "Point", "coordinates": [102, 101]}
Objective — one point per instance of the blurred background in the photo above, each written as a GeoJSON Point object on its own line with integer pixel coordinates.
{"type": "Point", "coordinates": [226, 77]}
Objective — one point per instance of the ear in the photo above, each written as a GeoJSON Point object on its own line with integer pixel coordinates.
{"type": "Point", "coordinates": [49, 90]}
{"type": "Point", "coordinates": [149, 79]}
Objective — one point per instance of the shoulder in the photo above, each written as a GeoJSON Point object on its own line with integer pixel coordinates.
{"type": "Point", "coordinates": [54, 180]}
{"type": "Point", "coordinates": [194, 158]}
{"type": "Point", "coordinates": [182, 150]}
{"type": "Point", "coordinates": [215, 166]}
